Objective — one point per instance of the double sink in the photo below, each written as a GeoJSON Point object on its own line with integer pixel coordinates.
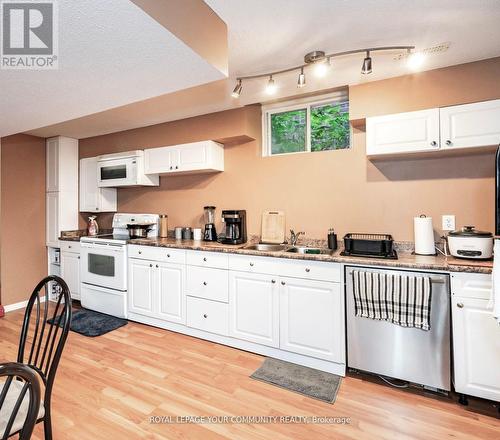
{"type": "Point", "coordinates": [286, 248]}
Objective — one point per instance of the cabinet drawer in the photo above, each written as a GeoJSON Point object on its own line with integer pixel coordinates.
{"type": "Point", "coordinates": [471, 285]}
{"type": "Point", "coordinates": [70, 246]}
{"type": "Point", "coordinates": [167, 255]}
{"type": "Point", "coordinates": [205, 282]}
{"type": "Point", "coordinates": [207, 315]}
{"type": "Point", "coordinates": [312, 270]}
{"type": "Point", "coordinates": [207, 259]}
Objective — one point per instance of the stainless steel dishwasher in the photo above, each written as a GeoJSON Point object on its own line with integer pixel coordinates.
{"type": "Point", "coordinates": [392, 351]}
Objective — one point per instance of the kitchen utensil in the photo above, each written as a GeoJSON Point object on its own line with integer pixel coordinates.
{"type": "Point", "coordinates": [470, 243]}
{"type": "Point", "coordinates": [370, 245]}
{"type": "Point", "coordinates": [210, 231]}
{"type": "Point", "coordinates": [332, 240]}
{"type": "Point", "coordinates": [273, 227]}
{"type": "Point", "coordinates": [137, 230]}
{"type": "Point", "coordinates": [178, 233]}
{"type": "Point", "coordinates": [424, 235]}
{"type": "Point", "coordinates": [197, 234]}
{"type": "Point", "coordinates": [163, 226]}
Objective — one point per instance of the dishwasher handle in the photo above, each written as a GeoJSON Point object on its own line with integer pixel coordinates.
{"type": "Point", "coordinates": [434, 279]}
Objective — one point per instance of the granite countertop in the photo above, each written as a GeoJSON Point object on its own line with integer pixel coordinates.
{"type": "Point", "coordinates": [405, 260]}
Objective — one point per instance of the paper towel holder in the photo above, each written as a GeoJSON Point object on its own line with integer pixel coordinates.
{"type": "Point", "coordinates": [433, 242]}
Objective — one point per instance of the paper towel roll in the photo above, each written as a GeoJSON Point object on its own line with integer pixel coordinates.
{"type": "Point", "coordinates": [424, 236]}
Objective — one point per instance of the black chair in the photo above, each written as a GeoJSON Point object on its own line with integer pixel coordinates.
{"type": "Point", "coordinates": [43, 337]}
{"type": "Point", "coordinates": [19, 400]}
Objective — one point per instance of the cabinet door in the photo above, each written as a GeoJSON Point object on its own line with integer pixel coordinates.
{"type": "Point", "coordinates": [254, 308]}
{"type": "Point", "coordinates": [89, 191]}
{"type": "Point", "coordinates": [160, 160]}
{"type": "Point", "coordinates": [470, 125]}
{"type": "Point", "coordinates": [194, 156]}
{"type": "Point", "coordinates": [93, 198]}
{"type": "Point", "coordinates": [312, 319]}
{"type": "Point", "coordinates": [476, 348]}
{"type": "Point", "coordinates": [403, 133]}
{"type": "Point", "coordinates": [169, 292]}
{"type": "Point", "coordinates": [52, 165]}
{"type": "Point", "coordinates": [141, 285]}
{"type": "Point", "coordinates": [52, 219]}
{"type": "Point", "coordinates": [70, 272]}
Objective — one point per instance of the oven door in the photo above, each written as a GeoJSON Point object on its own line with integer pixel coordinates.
{"type": "Point", "coordinates": [104, 265]}
{"type": "Point", "coordinates": [117, 172]}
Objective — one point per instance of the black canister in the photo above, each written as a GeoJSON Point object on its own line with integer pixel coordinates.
{"type": "Point", "coordinates": [332, 240]}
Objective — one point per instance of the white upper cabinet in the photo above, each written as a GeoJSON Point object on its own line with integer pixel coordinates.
{"type": "Point", "coordinates": [61, 187]}
{"type": "Point", "coordinates": [471, 125]}
{"type": "Point", "coordinates": [403, 133]}
{"type": "Point", "coordinates": [62, 164]}
{"type": "Point", "coordinates": [443, 129]}
{"type": "Point", "coordinates": [92, 197]}
{"type": "Point", "coordinates": [196, 157]}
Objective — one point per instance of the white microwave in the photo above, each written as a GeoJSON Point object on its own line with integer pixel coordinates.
{"type": "Point", "coordinates": [124, 169]}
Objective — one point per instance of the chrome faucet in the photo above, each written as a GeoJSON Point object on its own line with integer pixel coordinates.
{"type": "Point", "coordinates": [294, 236]}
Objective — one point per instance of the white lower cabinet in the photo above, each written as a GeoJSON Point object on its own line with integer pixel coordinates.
{"type": "Point", "coordinates": [156, 290]}
{"type": "Point", "coordinates": [476, 337]}
{"type": "Point", "coordinates": [170, 291]}
{"type": "Point", "coordinates": [254, 308]}
{"type": "Point", "coordinates": [70, 272]}
{"type": "Point", "coordinates": [140, 281]}
{"type": "Point", "coordinates": [312, 318]}
{"type": "Point", "coordinates": [271, 306]}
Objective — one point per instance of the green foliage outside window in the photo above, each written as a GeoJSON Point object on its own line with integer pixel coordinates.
{"type": "Point", "coordinates": [329, 127]}
{"type": "Point", "coordinates": [288, 131]}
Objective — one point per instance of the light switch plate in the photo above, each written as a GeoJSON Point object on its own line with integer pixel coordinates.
{"type": "Point", "coordinates": [448, 223]}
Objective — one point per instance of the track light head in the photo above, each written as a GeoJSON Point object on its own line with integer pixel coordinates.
{"type": "Point", "coordinates": [367, 64]}
{"type": "Point", "coordinates": [415, 60]}
{"type": "Point", "coordinates": [237, 90]}
{"type": "Point", "coordinates": [271, 86]}
{"type": "Point", "coordinates": [301, 82]}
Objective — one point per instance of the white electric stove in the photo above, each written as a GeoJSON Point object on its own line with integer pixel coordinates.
{"type": "Point", "coordinates": [103, 270]}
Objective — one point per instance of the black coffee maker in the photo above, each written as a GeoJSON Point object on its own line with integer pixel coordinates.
{"type": "Point", "coordinates": [236, 226]}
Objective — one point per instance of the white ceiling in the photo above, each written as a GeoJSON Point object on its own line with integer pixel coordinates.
{"type": "Point", "coordinates": [269, 35]}
{"type": "Point", "coordinates": [272, 34]}
{"type": "Point", "coordinates": [111, 53]}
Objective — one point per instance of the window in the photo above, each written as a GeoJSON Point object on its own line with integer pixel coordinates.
{"type": "Point", "coordinates": [307, 126]}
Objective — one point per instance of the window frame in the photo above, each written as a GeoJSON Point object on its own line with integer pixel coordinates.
{"type": "Point", "coordinates": [299, 104]}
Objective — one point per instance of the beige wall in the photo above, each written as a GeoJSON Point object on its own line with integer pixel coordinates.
{"type": "Point", "coordinates": [23, 254]}
{"type": "Point", "coordinates": [339, 189]}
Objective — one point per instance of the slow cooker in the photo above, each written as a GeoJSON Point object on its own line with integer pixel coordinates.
{"type": "Point", "coordinates": [469, 243]}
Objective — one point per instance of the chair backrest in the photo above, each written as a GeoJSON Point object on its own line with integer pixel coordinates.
{"type": "Point", "coordinates": [45, 330]}
{"type": "Point", "coordinates": [15, 414]}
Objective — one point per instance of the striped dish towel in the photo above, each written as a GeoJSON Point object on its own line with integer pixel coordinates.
{"type": "Point", "coordinates": [400, 299]}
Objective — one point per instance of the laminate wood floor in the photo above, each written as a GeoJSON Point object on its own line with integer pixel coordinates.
{"type": "Point", "coordinates": [108, 387]}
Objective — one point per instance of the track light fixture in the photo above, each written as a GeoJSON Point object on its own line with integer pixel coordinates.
{"type": "Point", "coordinates": [321, 62]}
{"type": "Point", "coordinates": [271, 86]}
{"type": "Point", "coordinates": [237, 90]}
{"type": "Point", "coordinates": [367, 64]}
{"type": "Point", "coordinates": [302, 79]}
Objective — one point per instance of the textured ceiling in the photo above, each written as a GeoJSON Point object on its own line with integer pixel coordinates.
{"type": "Point", "coordinates": [272, 34]}
{"type": "Point", "coordinates": [111, 53]}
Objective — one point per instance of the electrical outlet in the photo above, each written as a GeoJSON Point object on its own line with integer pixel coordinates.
{"type": "Point", "coordinates": [448, 223]}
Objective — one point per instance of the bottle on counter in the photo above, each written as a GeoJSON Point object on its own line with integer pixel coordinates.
{"type": "Point", "coordinates": [92, 227]}
{"type": "Point", "coordinates": [163, 233]}
{"type": "Point", "coordinates": [332, 240]}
